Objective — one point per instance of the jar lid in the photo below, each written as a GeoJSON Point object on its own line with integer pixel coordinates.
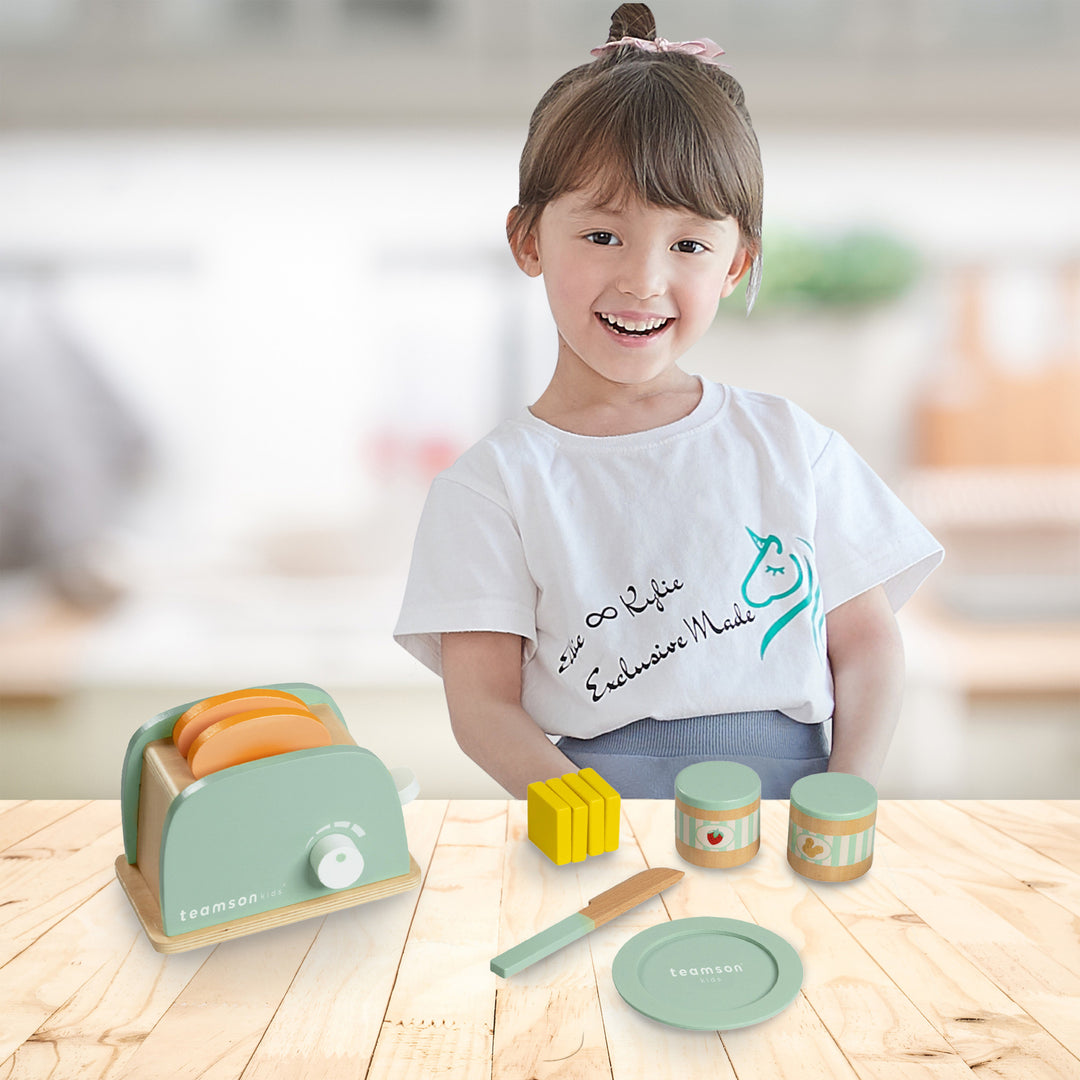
{"type": "Point", "coordinates": [834, 796]}
{"type": "Point", "coordinates": [717, 785]}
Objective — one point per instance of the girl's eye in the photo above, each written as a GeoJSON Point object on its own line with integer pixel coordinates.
{"type": "Point", "coordinates": [774, 569]}
{"type": "Point", "coordinates": [690, 247]}
{"type": "Point", "coordinates": [605, 239]}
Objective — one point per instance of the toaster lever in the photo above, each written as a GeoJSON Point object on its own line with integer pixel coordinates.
{"type": "Point", "coordinates": [408, 787]}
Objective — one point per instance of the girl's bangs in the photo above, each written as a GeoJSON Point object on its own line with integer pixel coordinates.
{"type": "Point", "coordinates": [658, 153]}
{"type": "Point", "coordinates": [646, 174]}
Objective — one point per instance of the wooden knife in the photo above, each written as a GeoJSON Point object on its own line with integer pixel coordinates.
{"type": "Point", "coordinates": [600, 909]}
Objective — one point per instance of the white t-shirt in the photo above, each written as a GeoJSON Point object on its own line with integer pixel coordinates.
{"type": "Point", "coordinates": [681, 571]}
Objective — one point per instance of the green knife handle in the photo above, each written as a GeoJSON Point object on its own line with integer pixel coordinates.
{"type": "Point", "coordinates": [543, 944]}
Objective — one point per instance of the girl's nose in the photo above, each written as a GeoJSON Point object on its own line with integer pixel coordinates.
{"type": "Point", "coordinates": [641, 275]}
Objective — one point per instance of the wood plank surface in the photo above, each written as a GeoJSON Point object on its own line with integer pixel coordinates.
{"type": "Point", "coordinates": [214, 1025]}
{"type": "Point", "coordinates": [980, 918]}
{"type": "Point", "coordinates": [1004, 875]}
{"type": "Point", "coordinates": [874, 1024]}
{"type": "Point", "coordinates": [55, 869]}
{"type": "Point", "coordinates": [992, 844]}
{"type": "Point", "coordinates": [1066, 806]}
{"type": "Point", "coordinates": [547, 1017]}
{"type": "Point", "coordinates": [957, 954]}
{"type": "Point", "coordinates": [340, 993]}
{"type": "Point", "coordinates": [87, 993]}
{"type": "Point", "coordinates": [983, 1025]}
{"type": "Point", "coordinates": [22, 819]}
{"type": "Point", "coordinates": [1046, 828]}
{"type": "Point", "coordinates": [440, 1017]}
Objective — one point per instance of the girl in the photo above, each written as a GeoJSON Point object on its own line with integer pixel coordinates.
{"type": "Point", "coordinates": [649, 567]}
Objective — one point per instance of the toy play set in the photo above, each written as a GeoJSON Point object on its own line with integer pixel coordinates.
{"type": "Point", "coordinates": [573, 816]}
{"type": "Point", "coordinates": [831, 826]}
{"type": "Point", "coordinates": [717, 813]}
{"type": "Point", "coordinates": [254, 809]}
{"type": "Point", "coordinates": [702, 973]}
{"type": "Point", "coordinates": [600, 909]}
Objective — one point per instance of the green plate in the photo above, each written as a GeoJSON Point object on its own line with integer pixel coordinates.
{"type": "Point", "coordinates": [708, 974]}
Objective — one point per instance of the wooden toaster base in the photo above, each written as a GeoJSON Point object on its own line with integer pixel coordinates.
{"type": "Point", "coordinates": [149, 912]}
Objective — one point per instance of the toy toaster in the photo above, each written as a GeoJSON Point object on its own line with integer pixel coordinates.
{"type": "Point", "coordinates": [255, 809]}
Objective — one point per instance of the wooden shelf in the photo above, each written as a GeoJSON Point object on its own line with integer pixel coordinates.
{"type": "Point", "coordinates": [994, 658]}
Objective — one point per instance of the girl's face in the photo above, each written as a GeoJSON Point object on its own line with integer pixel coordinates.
{"type": "Point", "coordinates": [631, 287]}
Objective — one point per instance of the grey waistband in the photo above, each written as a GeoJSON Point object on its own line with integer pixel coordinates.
{"type": "Point", "coordinates": [759, 734]}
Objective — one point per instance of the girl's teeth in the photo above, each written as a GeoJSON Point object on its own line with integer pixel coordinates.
{"type": "Point", "coordinates": [628, 324]}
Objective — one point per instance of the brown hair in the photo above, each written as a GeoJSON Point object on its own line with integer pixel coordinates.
{"type": "Point", "coordinates": [665, 127]}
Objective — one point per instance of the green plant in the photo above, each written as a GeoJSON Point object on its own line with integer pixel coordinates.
{"type": "Point", "coordinates": [849, 271]}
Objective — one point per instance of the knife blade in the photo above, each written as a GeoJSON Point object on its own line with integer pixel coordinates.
{"type": "Point", "coordinates": [599, 910]}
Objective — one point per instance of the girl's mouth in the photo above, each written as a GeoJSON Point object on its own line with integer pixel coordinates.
{"type": "Point", "coordinates": [628, 328]}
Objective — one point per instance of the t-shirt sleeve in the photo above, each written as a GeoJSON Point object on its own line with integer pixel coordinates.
{"type": "Point", "coordinates": [468, 572]}
{"type": "Point", "coordinates": [865, 536]}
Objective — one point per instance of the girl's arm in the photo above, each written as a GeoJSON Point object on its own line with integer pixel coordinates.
{"type": "Point", "coordinates": [866, 655]}
{"type": "Point", "coordinates": [482, 680]}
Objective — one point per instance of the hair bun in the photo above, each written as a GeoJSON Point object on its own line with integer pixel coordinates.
{"type": "Point", "coordinates": [632, 20]}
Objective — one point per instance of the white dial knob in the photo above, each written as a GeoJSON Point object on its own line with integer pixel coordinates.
{"type": "Point", "coordinates": [336, 861]}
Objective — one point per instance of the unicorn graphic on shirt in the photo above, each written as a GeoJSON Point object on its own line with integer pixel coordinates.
{"type": "Point", "coordinates": [784, 577]}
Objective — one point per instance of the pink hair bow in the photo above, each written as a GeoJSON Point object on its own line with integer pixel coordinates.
{"type": "Point", "coordinates": [704, 49]}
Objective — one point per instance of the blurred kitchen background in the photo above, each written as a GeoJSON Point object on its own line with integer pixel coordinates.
{"type": "Point", "coordinates": [255, 293]}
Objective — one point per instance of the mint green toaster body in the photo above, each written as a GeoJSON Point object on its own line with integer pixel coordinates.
{"type": "Point", "coordinates": [267, 834]}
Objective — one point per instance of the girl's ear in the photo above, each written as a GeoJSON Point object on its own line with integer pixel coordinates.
{"type": "Point", "coordinates": [739, 265]}
{"type": "Point", "coordinates": [523, 245]}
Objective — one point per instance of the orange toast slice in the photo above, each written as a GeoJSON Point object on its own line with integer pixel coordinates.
{"type": "Point", "coordinates": [204, 713]}
{"type": "Point", "coordinates": [252, 735]}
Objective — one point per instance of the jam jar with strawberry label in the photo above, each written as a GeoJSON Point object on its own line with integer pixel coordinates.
{"type": "Point", "coordinates": [831, 826]}
{"type": "Point", "coordinates": [717, 813]}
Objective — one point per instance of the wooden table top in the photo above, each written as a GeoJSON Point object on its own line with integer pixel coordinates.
{"type": "Point", "coordinates": [958, 953]}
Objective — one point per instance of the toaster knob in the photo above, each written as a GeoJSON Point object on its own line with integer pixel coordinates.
{"type": "Point", "coordinates": [336, 861]}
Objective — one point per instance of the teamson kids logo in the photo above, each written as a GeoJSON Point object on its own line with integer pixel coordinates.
{"type": "Point", "coordinates": [232, 905]}
{"type": "Point", "coordinates": [707, 973]}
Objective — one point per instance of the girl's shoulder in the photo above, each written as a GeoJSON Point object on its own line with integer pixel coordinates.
{"type": "Point", "coordinates": [490, 465]}
{"type": "Point", "coordinates": [777, 417]}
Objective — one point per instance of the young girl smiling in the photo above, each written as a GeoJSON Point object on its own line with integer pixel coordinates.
{"type": "Point", "coordinates": [652, 568]}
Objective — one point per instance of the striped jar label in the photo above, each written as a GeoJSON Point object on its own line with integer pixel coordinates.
{"type": "Point", "coordinates": [717, 837]}
{"type": "Point", "coordinates": [830, 850]}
